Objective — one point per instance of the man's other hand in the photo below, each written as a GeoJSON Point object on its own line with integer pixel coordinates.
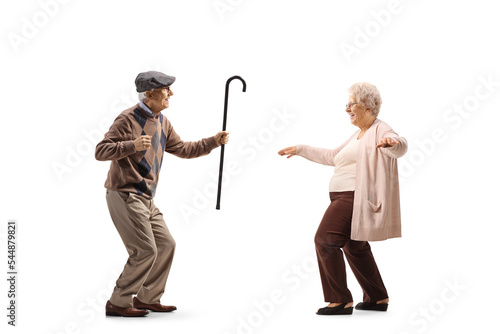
{"type": "Point", "coordinates": [142, 143]}
{"type": "Point", "coordinates": [222, 138]}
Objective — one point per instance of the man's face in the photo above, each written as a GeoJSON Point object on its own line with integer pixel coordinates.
{"type": "Point", "coordinates": [158, 99]}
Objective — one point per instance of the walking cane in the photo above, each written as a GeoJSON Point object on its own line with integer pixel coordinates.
{"type": "Point", "coordinates": [217, 207]}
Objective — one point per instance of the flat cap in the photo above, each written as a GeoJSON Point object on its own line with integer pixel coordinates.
{"type": "Point", "coordinates": [151, 80]}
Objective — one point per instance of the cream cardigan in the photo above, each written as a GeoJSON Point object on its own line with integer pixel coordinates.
{"type": "Point", "coordinates": [376, 214]}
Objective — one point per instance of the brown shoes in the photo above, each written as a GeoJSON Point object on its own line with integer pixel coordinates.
{"type": "Point", "coordinates": [124, 311]}
{"type": "Point", "coordinates": [138, 310]}
{"type": "Point", "coordinates": [153, 307]}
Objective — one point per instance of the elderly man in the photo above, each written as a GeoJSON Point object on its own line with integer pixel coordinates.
{"type": "Point", "coordinates": [135, 144]}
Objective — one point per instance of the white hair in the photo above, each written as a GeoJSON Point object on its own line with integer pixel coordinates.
{"type": "Point", "coordinates": [142, 96]}
{"type": "Point", "coordinates": [367, 94]}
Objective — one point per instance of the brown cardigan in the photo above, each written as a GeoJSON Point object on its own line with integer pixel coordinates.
{"type": "Point", "coordinates": [376, 213]}
{"type": "Point", "coordinates": [138, 172]}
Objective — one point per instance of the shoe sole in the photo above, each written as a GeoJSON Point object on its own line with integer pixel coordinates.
{"type": "Point", "coordinates": [377, 307]}
{"type": "Point", "coordinates": [345, 311]}
{"type": "Point", "coordinates": [112, 314]}
{"type": "Point", "coordinates": [151, 310]}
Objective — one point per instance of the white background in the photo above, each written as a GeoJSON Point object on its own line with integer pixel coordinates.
{"type": "Point", "coordinates": [76, 72]}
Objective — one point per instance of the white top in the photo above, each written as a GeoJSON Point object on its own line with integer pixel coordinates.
{"type": "Point", "coordinates": [344, 177]}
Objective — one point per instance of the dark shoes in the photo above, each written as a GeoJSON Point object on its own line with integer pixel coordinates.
{"type": "Point", "coordinates": [372, 306]}
{"type": "Point", "coordinates": [124, 311]}
{"type": "Point", "coordinates": [153, 307]}
{"type": "Point", "coordinates": [340, 309]}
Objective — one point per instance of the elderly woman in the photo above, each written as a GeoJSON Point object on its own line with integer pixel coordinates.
{"type": "Point", "coordinates": [364, 194]}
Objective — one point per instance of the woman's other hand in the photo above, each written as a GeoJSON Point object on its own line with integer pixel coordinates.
{"type": "Point", "coordinates": [290, 151]}
{"type": "Point", "coordinates": [387, 142]}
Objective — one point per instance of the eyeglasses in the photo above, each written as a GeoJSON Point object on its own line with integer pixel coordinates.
{"type": "Point", "coordinates": [161, 88]}
{"type": "Point", "coordinates": [349, 105]}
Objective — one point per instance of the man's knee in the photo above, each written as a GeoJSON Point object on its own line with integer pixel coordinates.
{"type": "Point", "coordinates": [149, 252]}
{"type": "Point", "coordinates": [171, 243]}
{"type": "Point", "coordinates": [167, 243]}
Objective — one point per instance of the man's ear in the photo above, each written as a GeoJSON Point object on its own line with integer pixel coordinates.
{"type": "Point", "coordinates": [149, 94]}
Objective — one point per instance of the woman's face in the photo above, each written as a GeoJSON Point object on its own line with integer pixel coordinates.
{"type": "Point", "coordinates": [356, 111]}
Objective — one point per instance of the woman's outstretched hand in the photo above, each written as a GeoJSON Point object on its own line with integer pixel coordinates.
{"type": "Point", "coordinates": [387, 142]}
{"type": "Point", "coordinates": [290, 151]}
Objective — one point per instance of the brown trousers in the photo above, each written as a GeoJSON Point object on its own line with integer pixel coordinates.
{"type": "Point", "coordinates": [333, 234]}
{"type": "Point", "coordinates": [149, 245]}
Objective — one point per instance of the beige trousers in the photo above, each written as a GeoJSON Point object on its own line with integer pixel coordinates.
{"type": "Point", "coordinates": [149, 245]}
